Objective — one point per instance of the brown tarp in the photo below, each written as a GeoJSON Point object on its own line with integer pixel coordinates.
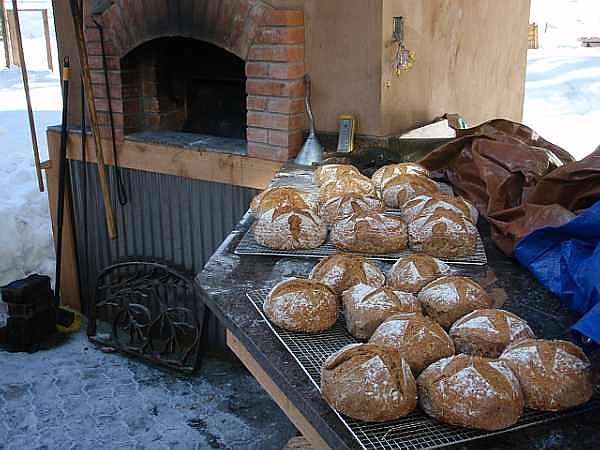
{"type": "Point", "coordinates": [516, 179]}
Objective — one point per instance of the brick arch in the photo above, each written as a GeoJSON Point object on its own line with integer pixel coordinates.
{"type": "Point", "coordinates": [270, 41]}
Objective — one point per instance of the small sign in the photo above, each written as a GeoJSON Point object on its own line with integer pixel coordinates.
{"type": "Point", "coordinates": [346, 134]}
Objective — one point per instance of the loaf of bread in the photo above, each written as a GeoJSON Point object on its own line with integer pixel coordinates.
{"type": "Point", "coordinates": [369, 232]}
{"type": "Point", "coordinates": [471, 392]}
{"type": "Point", "coordinates": [347, 184]}
{"type": "Point", "coordinates": [368, 382]}
{"type": "Point", "coordinates": [302, 305]}
{"type": "Point", "coordinates": [429, 204]}
{"type": "Point", "coordinates": [345, 205]}
{"type": "Point", "coordinates": [554, 375]}
{"type": "Point", "coordinates": [400, 189]}
{"type": "Point", "coordinates": [443, 234]}
{"type": "Point", "coordinates": [386, 173]}
{"type": "Point", "coordinates": [449, 298]}
{"type": "Point", "coordinates": [279, 196]}
{"type": "Point", "coordinates": [342, 271]}
{"type": "Point", "coordinates": [487, 332]}
{"type": "Point", "coordinates": [416, 338]}
{"type": "Point", "coordinates": [288, 228]}
{"type": "Point", "coordinates": [412, 273]}
{"type": "Point", "coordinates": [366, 307]}
{"type": "Point", "coordinates": [330, 172]}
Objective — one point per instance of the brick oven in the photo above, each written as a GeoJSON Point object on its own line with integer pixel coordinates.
{"type": "Point", "coordinates": [231, 69]}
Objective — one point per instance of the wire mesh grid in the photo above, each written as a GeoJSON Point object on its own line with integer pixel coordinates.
{"type": "Point", "coordinates": [249, 246]}
{"type": "Point", "coordinates": [415, 431]}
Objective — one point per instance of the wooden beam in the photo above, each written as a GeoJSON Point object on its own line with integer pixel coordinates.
{"type": "Point", "coordinates": [171, 160]}
{"type": "Point", "coordinates": [295, 416]}
{"type": "Point", "coordinates": [47, 38]}
{"type": "Point", "coordinates": [12, 33]}
{"type": "Point", "coordinates": [4, 34]}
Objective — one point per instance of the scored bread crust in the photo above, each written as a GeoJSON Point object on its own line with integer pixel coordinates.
{"type": "Point", "coordinates": [414, 337]}
{"type": "Point", "coordinates": [367, 382]}
{"type": "Point", "coordinates": [449, 298]}
{"type": "Point", "coordinates": [344, 185]}
{"type": "Point", "coordinates": [302, 305]}
{"type": "Point", "coordinates": [429, 204]}
{"type": "Point", "coordinates": [345, 205]}
{"type": "Point", "coordinates": [554, 375]}
{"type": "Point", "coordinates": [288, 228]}
{"type": "Point", "coordinates": [412, 273]}
{"type": "Point", "coordinates": [369, 232]}
{"type": "Point", "coordinates": [487, 332]}
{"type": "Point", "coordinates": [443, 234]}
{"type": "Point", "coordinates": [330, 172]}
{"type": "Point", "coordinates": [471, 392]}
{"type": "Point", "coordinates": [400, 189]}
{"type": "Point", "coordinates": [342, 271]}
{"type": "Point", "coordinates": [386, 173]}
{"type": "Point", "coordinates": [366, 307]}
{"type": "Point", "coordinates": [279, 196]}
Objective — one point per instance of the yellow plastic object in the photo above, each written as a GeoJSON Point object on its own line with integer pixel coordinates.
{"type": "Point", "coordinates": [74, 326]}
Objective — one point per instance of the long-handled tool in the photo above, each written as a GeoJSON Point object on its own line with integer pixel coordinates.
{"type": "Point", "coordinates": [77, 16]}
{"type": "Point", "coordinates": [34, 142]}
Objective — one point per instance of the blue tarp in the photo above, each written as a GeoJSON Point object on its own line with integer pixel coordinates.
{"type": "Point", "coordinates": [566, 260]}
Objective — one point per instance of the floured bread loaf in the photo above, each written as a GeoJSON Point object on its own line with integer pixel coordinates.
{"type": "Point", "coordinates": [412, 273]}
{"type": "Point", "coordinates": [348, 184]}
{"type": "Point", "coordinates": [288, 228]}
{"type": "Point", "coordinates": [301, 305]}
{"type": "Point", "coordinates": [368, 382]}
{"type": "Point", "coordinates": [341, 272]}
{"type": "Point", "coordinates": [487, 332]}
{"type": "Point", "coordinates": [279, 196]}
{"type": "Point", "coordinates": [345, 205]}
{"type": "Point", "coordinates": [366, 307]}
{"type": "Point", "coordinates": [330, 172]}
{"type": "Point", "coordinates": [554, 375]}
{"type": "Point", "coordinates": [416, 338]}
{"type": "Point", "coordinates": [429, 204]}
{"type": "Point", "coordinates": [471, 392]}
{"type": "Point", "coordinates": [449, 298]}
{"type": "Point", "coordinates": [443, 234]}
{"type": "Point", "coordinates": [400, 189]}
{"type": "Point", "coordinates": [386, 173]}
{"type": "Point", "coordinates": [369, 232]}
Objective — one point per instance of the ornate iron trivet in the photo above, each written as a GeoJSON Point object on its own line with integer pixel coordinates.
{"type": "Point", "coordinates": [151, 311]}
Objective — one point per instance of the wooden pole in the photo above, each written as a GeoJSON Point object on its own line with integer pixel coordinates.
{"type": "Point", "coordinates": [77, 16]}
{"type": "Point", "coordinates": [4, 33]}
{"type": "Point", "coordinates": [36, 152]}
{"type": "Point", "coordinates": [47, 38]}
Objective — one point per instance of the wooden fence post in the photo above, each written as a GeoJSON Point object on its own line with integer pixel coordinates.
{"type": "Point", "coordinates": [47, 38]}
{"type": "Point", "coordinates": [4, 34]}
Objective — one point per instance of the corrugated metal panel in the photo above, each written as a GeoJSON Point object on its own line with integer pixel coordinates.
{"type": "Point", "coordinates": [173, 220]}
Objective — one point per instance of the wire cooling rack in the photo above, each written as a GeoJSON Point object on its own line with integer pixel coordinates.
{"type": "Point", "coordinates": [415, 431]}
{"type": "Point", "coordinates": [249, 246]}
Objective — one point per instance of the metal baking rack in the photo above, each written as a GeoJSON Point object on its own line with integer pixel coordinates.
{"type": "Point", "coordinates": [415, 431]}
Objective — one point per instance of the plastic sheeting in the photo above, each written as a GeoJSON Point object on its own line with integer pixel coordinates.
{"type": "Point", "coordinates": [566, 260]}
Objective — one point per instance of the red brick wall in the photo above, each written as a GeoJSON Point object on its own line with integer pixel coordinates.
{"type": "Point", "coordinates": [270, 41]}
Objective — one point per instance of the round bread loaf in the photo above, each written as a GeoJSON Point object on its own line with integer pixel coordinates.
{"type": "Point", "coordinates": [368, 382]}
{"type": "Point", "coordinates": [487, 332]}
{"type": "Point", "coordinates": [400, 189]}
{"type": "Point", "coordinates": [369, 232]}
{"type": "Point", "coordinates": [366, 307]}
{"type": "Point", "coordinates": [348, 184]}
{"type": "Point", "coordinates": [554, 375]}
{"type": "Point", "coordinates": [472, 392]}
{"type": "Point", "coordinates": [449, 298]}
{"type": "Point", "coordinates": [301, 305]}
{"type": "Point", "coordinates": [279, 196]}
{"type": "Point", "coordinates": [429, 204]}
{"type": "Point", "coordinates": [416, 338]}
{"type": "Point", "coordinates": [443, 234]}
{"type": "Point", "coordinates": [341, 272]}
{"type": "Point", "coordinates": [345, 205]}
{"type": "Point", "coordinates": [330, 172]}
{"type": "Point", "coordinates": [288, 228]}
{"type": "Point", "coordinates": [386, 173]}
{"type": "Point", "coordinates": [412, 273]}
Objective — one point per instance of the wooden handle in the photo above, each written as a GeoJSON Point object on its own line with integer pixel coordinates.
{"type": "Point", "coordinates": [87, 84]}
